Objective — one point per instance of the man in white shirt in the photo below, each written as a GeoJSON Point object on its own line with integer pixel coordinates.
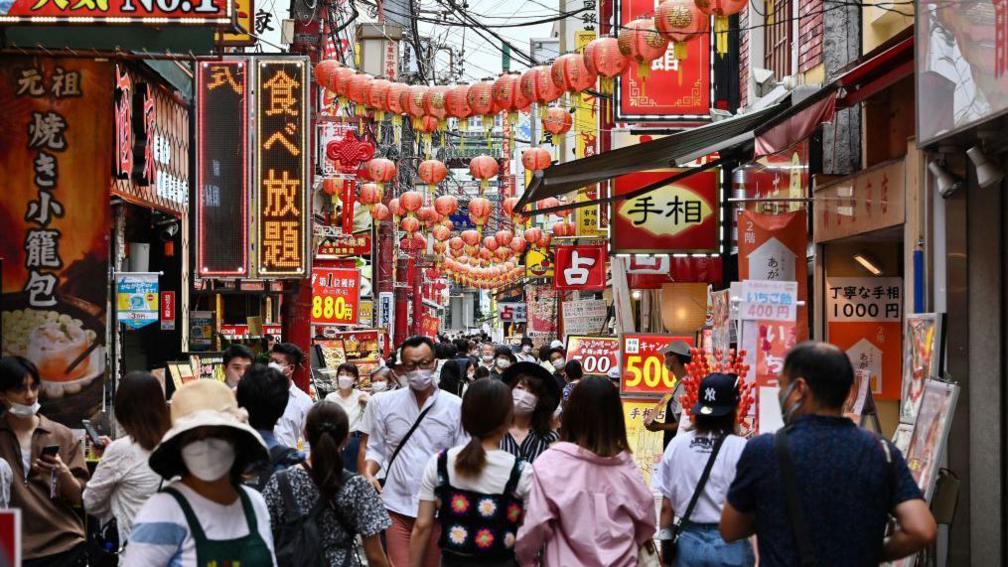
{"type": "Point", "coordinates": [285, 357]}
{"type": "Point", "coordinates": [390, 416]}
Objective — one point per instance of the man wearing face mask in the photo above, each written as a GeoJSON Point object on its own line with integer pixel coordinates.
{"type": "Point", "coordinates": [525, 353]}
{"type": "Point", "coordinates": [48, 485]}
{"type": "Point", "coordinates": [486, 356]}
{"type": "Point", "coordinates": [286, 357]}
{"type": "Point", "coordinates": [503, 357]}
{"type": "Point", "coordinates": [207, 517]}
{"type": "Point", "coordinates": [846, 480]}
{"type": "Point", "coordinates": [406, 428]}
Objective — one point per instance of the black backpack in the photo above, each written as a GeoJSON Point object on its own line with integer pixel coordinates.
{"type": "Point", "coordinates": [280, 458]}
{"type": "Point", "coordinates": [299, 540]}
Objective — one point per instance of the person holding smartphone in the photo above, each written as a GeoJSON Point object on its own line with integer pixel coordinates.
{"type": "Point", "coordinates": [50, 465]}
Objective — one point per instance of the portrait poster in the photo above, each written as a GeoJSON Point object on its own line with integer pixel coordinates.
{"type": "Point", "coordinates": [720, 326]}
{"type": "Point", "coordinates": [930, 434]}
{"type": "Point", "coordinates": [646, 446]}
{"type": "Point", "coordinates": [922, 352]}
{"type": "Point", "coordinates": [56, 163]}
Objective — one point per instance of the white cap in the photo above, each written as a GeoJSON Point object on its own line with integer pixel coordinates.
{"type": "Point", "coordinates": [557, 343]}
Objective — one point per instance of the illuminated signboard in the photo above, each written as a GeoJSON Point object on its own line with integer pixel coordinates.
{"type": "Point", "coordinates": [221, 168]}
{"type": "Point", "coordinates": [176, 12]}
{"type": "Point", "coordinates": [281, 167]}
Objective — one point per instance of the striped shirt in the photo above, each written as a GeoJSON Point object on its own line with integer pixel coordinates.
{"type": "Point", "coordinates": [531, 447]}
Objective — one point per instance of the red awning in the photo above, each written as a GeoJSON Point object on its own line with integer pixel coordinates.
{"type": "Point", "coordinates": [796, 127]}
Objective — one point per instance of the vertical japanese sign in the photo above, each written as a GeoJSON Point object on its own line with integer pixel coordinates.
{"type": "Point", "coordinates": [386, 312]}
{"type": "Point", "coordinates": [335, 296]}
{"type": "Point", "coordinates": [681, 217]}
{"type": "Point", "coordinates": [167, 310]}
{"type": "Point", "coordinates": [674, 89]}
{"type": "Point", "coordinates": [586, 219]}
{"type": "Point", "coordinates": [580, 267]}
{"type": "Point", "coordinates": [542, 311]}
{"type": "Point", "coordinates": [137, 299]}
{"type": "Point", "coordinates": [281, 167]}
{"type": "Point", "coordinates": [222, 217]}
{"type": "Point", "coordinates": [644, 371]}
{"type": "Point", "coordinates": [56, 163]}
{"type": "Point", "coordinates": [768, 311]}
{"type": "Point", "coordinates": [772, 247]}
{"type": "Point", "coordinates": [864, 317]}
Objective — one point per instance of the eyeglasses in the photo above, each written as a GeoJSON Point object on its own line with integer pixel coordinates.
{"type": "Point", "coordinates": [405, 367]}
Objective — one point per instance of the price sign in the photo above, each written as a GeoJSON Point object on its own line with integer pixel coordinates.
{"type": "Point", "coordinates": [644, 369]}
{"type": "Point", "coordinates": [335, 296]}
{"type": "Point", "coordinates": [768, 300]}
{"type": "Point", "coordinates": [598, 356]}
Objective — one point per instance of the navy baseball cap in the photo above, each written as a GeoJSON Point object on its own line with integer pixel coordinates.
{"type": "Point", "coordinates": [718, 395]}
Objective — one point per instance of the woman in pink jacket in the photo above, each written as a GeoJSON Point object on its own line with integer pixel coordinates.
{"type": "Point", "coordinates": [588, 505]}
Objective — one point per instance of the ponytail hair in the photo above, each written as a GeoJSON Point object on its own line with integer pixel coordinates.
{"type": "Point", "coordinates": [327, 427]}
{"type": "Point", "coordinates": [486, 408]}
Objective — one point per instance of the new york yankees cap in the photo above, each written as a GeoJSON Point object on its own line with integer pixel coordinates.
{"type": "Point", "coordinates": [718, 395]}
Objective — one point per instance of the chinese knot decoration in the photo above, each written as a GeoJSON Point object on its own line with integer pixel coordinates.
{"type": "Point", "coordinates": [700, 367]}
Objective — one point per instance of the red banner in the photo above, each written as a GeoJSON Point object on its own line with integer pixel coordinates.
{"type": "Point", "coordinates": [773, 340]}
{"type": "Point", "coordinates": [682, 217]}
{"type": "Point", "coordinates": [673, 89]}
{"type": "Point", "coordinates": [652, 272]}
{"type": "Point", "coordinates": [429, 325]}
{"type": "Point", "coordinates": [335, 296]}
{"type": "Point", "coordinates": [167, 310]}
{"type": "Point", "coordinates": [598, 356]}
{"type": "Point", "coordinates": [580, 267]}
{"type": "Point", "coordinates": [772, 247]}
{"type": "Point", "coordinates": [186, 12]}
{"type": "Point", "coordinates": [644, 369]}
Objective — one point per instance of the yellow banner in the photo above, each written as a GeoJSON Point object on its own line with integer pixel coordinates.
{"type": "Point", "coordinates": [245, 14]}
{"type": "Point", "coordinates": [586, 144]}
{"type": "Point", "coordinates": [646, 445]}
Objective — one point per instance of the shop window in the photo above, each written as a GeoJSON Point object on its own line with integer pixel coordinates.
{"type": "Point", "coordinates": [777, 38]}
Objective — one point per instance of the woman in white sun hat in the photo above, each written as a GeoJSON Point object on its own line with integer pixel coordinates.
{"type": "Point", "coordinates": [206, 517]}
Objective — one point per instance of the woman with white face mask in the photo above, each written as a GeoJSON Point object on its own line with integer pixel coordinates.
{"type": "Point", "coordinates": [536, 395]}
{"type": "Point", "coordinates": [206, 517]}
{"type": "Point", "coordinates": [503, 358]}
{"type": "Point", "coordinates": [352, 401]}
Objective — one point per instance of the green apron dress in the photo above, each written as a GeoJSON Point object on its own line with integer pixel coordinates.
{"type": "Point", "coordinates": [246, 551]}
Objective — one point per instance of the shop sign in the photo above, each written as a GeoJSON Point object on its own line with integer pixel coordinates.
{"type": "Point", "coordinates": [683, 217]}
{"type": "Point", "coordinates": [673, 89]}
{"type": "Point", "coordinates": [56, 168]}
{"type": "Point", "coordinates": [869, 200]}
{"type": "Point", "coordinates": [252, 285]}
{"type": "Point", "coordinates": [244, 17]}
{"type": "Point", "coordinates": [772, 247]}
{"type": "Point", "coordinates": [599, 356]}
{"type": "Point", "coordinates": [105, 12]}
{"type": "Point", "coordinates": [584, 316]}
{"type": "Point", "coordinates": [541, 311]}
{"type": "Point", "coordinates": [586, 219]}
{"type": "Point", "coordinates": [281, 167]}
{"type": "Point", "coordinates": [429, 325]}
{"type": "Point", "coordinates": [644, 371]}
{"type": "Point", "coordinates": [335, 296]}
{"type": "Point", "coordinates": [222, 189]}
{"type": "Point", "coordinates": [344, 246]}
{"type": "Point", "coordinates": [167, 310]}
{"type": "Point", "coordinates": [137, 299]}
{"type": "Point", "coordinates": [539, 263]}
{"type": "Point", "coordinates": [386, 312]}
{"type": "Point", "coordinates": [766, 300]}
{"type": "Point", "coordinates": [864, 318]}
{"type": "Point", "coordinates": [512, 312]}
{"type": "Point", "coordinates": [580, 267]}
{"type": "Point", "coordinates": [365, 313]}
{"type": "Point", "coordinates": [239, 331]}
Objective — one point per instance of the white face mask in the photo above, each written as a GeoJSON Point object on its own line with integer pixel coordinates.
{"type": "Point", "coordinates": [345, 382]}
{"type": "Point", "coordinates": [278, 367]}
{"type": "Point", "coordinates": [209, 459]}
{"type": "Point", "coordinates": [420, 379]}
{"type": "Point", "coordinates": [21, 410]}
{"type": "Point", "coordinates": [379, 386]}
{"type": "Point", "coordinates": [487, 358]}
{"type": "Point", "coordinates": [503, 363]}
{"type": "Point", "coordinates": [527, 349]}
{"type": "Point", "coordinates": [524, 401]}
{"type": "Point", "coordinates": [558, 363]}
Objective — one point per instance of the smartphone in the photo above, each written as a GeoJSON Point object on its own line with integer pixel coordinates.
{"type": "Point", "coordinates": [92, 434]}
{"type": "Point", "coordinates": [50, 450]}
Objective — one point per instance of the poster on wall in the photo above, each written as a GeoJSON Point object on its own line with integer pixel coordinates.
{"type": "Point", "coordinates": [599, 356]}
{"type": "Point", "coordinates": [645, 446]}
{"type": "Point", "coordinates": [681, 217]}
{"type": "Point", "coordinates": [542, 311]}
{"type": "Point", "coordinates": [773, 247]}
{"type": "Point", "coordinates": [201, 330]}
{"type": "Point", "coordinates": [721, 320]}
{"type": "Point", "coordinates": [335, 296]}
{"type": "Point", "coordinates": [56, 165]}
{"type": "Point", "coordinates": [864, 317]}
{"type": "Point", "coordinates": [584, 316]}
{"type": "Point", "coordinates": [643, 364]}
{"type": "Point", "coordinates": [930, 435]}
{"type": "Point", "coordinates": [136, 299]}
{"type": "Point", "coordinates": [922, 352]}
{"type": "Point", "coordinates": [672, 88]}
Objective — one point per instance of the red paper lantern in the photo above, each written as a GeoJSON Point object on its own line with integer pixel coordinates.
{"type": "Point", "coordinates": [324, 71]}
{"type": "Point", "coordinates": [602, 57]}
{"type": "Point", "coordinates": [456, 243]}
{"type": "Point", "coordinates": [680, 20]}
{"type": "Point", "coordinates": [426, 124]}
{"type": "Point", "coordinates": [479, 210]}
{"type": "Point", "coordinates": [533, 235]}
{"type": "Point", "coordinates": [548, 203]}
{"type": "Point", "coordinates": [456, 103]}
{"type": "Point", "coordinates": [370, 194]}
{"type": "Point", "coordinates": [439, 247]}
{"type": "Point", "coordinates": [410, 224]}
{"type": "Point", "coordinates": [470, 237]}
{"type": "Point", "coordinates": [527, 85]}
{"type": "Point", "coordinates": [546, 90]}
{"type": "Point", "coordinates": [378, 95]}
{"type": "Point", "coordinates": [393, 97]}
{"type": "Point", "coordinates": [432, 171]}
{"type": "Point", "coordinates": [434, 102]}
{"type": "Point", "coordinates": [518, 244]}
{"type": "Point", "coordinates": [483, 167]}
{"type": "Point", "coordinates": [440, 233]}
{"type": "Point", "coordinates": [503, 237]}
{"type": "Point", "coordinates": [395, 208]}
{"type": "Point", "coordinates": [427, 215]}
{"type": "Point", "coordinates": [490, 243]}
{"type": "Point", "coordinates": [557, 121]}
{"type": "Point", "coordinates": [414, 100]}
{"type": "Point", "coordinates": [504, 90]}
{"type": "Point", "coordinates": [640, 41]}
{"type": "Point", "coordinates": [381, 171]}
{"type": "Point", "coordinates": [544, 240]}
{"type": "Point", "coordinates": [380, 212]}
{"type": "Point", "coordinates": [536, 159]}
{"type": "Point", "coordinates": [411, 201]}
{"type": "Point", "coordinates": [332, 185]}
{"type": "Point", "coordinates": [503, 253]}
{"type": "Point", "coordinates": [721, 8]}
{"type": "Point", "coordinates": [359, 87]}
{"type": "Point", "coordinates": [446, 205]}
{"type": "Point", "coordinates": [508, 205]}
{"type": "Point", "coordinates": [340, 80]}
{"type": "Point", "coordinates": [480, 97]}
{"type": "Point", "coordinates": [570, 74]}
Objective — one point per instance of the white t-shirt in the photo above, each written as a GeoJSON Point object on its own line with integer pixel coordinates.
{"type": "Point", "coordinates": [492, 481]}
{"type": "Point", "coordinates": [290, 427]}
{"type": "Point", "coordinates": [351, 405]}
{"type": "Point", "coordinates": [161, 537]}
{"type": "Point", "coordinates": [121, 484]}
{"type": "Point", "coordinates": [683, 463]}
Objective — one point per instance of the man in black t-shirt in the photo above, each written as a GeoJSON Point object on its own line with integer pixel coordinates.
{"type": "Point", "coordinates": [847, 480]}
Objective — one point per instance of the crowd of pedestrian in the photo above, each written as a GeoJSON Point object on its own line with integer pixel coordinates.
{"type": "Point", "coordinates": [457, 453]}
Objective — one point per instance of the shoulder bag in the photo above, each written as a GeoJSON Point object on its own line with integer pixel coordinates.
{"type": "Point", "coordinates": [388, 468]}
{"type": "Point", "coordinates": [803, 540]}
{"type": "Point", "coordinates": [669, 548]}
